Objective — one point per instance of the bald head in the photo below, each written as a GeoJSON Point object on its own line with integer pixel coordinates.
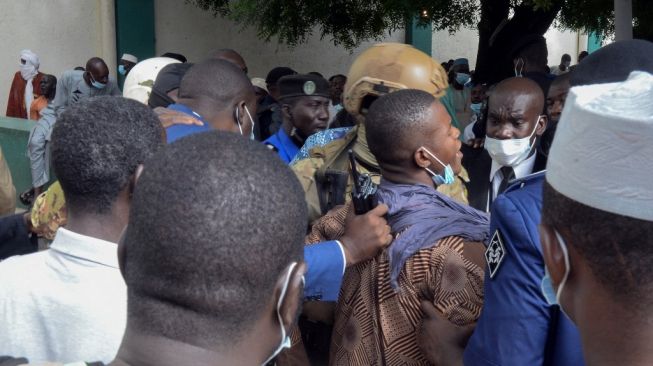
{"type": "Point", "coordinates": [514, 108]}
{"type": "Point", "coordinates": [518, 91]}
{"type": "Point", "coordinates": [219, 81]}
{"type": "Point", "coordinates": [227, 54]}
{"type": "Point", "coordinates": [97, 69]}
{"type": "Point", "coordinates": [95, 62]}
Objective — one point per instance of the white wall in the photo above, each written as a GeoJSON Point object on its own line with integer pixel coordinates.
{"type": "Point", "coordinates": [63, 33]}
{"type": "Point", "coordinates": [186, 29]}
{"type": "Point", "coordinates": [559, 43]}
{"type": "Point", "coordinates": [464, 43]}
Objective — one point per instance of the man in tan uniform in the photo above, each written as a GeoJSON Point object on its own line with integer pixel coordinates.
{"type": "Point", "coordinates": [383, 68]}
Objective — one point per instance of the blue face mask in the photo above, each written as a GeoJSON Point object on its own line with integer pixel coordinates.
{"type": "Point", "coordinates": [476, 107]}
{"type": "Point", "coordinates": [121, 70]}
{"type": "Point", "coordinates": [550, 294]}
{"type": "Point", "coordinates": [438, 179]}
{"type": "Point", "coordinates": [462, 78]}
{"type": "Point", "coordinates": [96, 84]}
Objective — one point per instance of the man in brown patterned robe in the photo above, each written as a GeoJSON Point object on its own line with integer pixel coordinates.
{"type": "Point", "coordinates": [438, 249]}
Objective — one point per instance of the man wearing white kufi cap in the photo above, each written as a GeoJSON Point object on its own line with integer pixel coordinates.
{"type": "Point", "coordinates": [25, 87]}
{"type": "Point", "coordinates": [597, 219]}
{"type": "Point", "coordinates": [126, 63]}
{"type": "Point", "coordinates": [518, 325]}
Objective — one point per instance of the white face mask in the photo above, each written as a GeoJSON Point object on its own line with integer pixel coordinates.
{"type": "Point", "coordinates": [240, 127]}
{"type": "Point", "coordinates": [285, 338]}
{"type": "Point", "coordinates": [510, 152]}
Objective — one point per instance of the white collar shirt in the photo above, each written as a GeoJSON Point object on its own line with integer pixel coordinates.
{"type": "Point", "coordinates": [65, 304]}
{"type": "Point", "coordinates": [496, 176]}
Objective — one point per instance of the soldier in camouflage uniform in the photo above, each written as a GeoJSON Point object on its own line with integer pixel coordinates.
{"type": "Point", "coordinates": [382, 69]}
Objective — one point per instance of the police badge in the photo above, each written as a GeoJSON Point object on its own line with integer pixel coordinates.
{"type": "Point", "coordinates": [309, 87]}
{"type": "Point", "coordinates": [495, 253]}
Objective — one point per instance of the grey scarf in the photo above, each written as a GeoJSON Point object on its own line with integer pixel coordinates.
{"type": "Point", "coordinates": [423, 216]}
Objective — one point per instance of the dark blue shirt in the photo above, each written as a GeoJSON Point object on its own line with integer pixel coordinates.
{"type": "Point", "coordinates": [175, 132]}
{"type": "Point", "coordinates": [285, 146]}
{"type": "Point", "coordinates": [517, 326]}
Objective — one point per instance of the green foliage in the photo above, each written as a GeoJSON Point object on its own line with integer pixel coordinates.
{"type": "Point", "coordinates": [350, 22]}
{"type": "Point", "coordinates": [346, 22]}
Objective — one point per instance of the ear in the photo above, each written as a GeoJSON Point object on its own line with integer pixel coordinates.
{"type": "Point", "coordinates": [541, 125]}
{"type": "Point", "coordinates": [285, 111]}
{"type": "Point", "coordinates": [134, 179]}
{"type": "Point", "coordinates": [553, 254]}
{"type": "Point", "coordinates": [291, 305]}
{"type": "Point", "coordinates": [122, 251]}
{"type": "Point", "coordinates": [421, 158]}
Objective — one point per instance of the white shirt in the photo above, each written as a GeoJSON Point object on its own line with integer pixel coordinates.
{"type": "Point", "coordinates": [496, 176]}
{"type": "Point", "coordinates": [66, 304]}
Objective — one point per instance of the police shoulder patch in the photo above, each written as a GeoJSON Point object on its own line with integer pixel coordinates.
{"type": "Point", "coordinates": [495, 253]}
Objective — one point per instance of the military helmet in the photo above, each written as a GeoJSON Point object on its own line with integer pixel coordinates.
{"type": "Point", "coordinates": [388, 67]}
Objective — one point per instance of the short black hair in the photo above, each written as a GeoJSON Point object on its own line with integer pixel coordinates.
{"type": "Point", "coordinates": [565, 57]}
{"type": "Point", "coordinates": [338, 76]}
{"type": "Point", "coordinates": [393, 121]}
{"type": "Point", "coordinates": [215, 219]}
{"type": "Point", "coordinates": [177, 56]}
{"type": "Point", "coordinates": [217, 80]}
{"type": "Point", "coordinates": [97, 145]}
{"type": "Point", "coordinates": [617, 248]}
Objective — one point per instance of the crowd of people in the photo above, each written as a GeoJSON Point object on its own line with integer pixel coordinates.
{"type": "Point", "coordinates": [405, 213]}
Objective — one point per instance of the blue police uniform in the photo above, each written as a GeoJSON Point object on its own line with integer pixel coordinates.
{"type": "Point", "coordinates": [517, 326]}
{"type": "Point", "coordinates": [283, 145]}
{"type": "Point", "coordinates": [325, 261]}
{"type": "Point", "coordinates": [175, 132]}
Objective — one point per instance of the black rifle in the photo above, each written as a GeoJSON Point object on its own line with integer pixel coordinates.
{"type": "Point", "coordinates": [363, 194]}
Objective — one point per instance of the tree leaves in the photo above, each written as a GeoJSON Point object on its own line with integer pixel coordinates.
{"type": "Point", "coordinates": [350, 22]}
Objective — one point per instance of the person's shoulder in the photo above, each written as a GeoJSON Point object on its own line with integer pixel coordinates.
{"type": "Point", "coordinates": [528, 186]}
{"type": "Point", "coordinates": [72, 74]}
{"type": "Point", "coordinates": [273, 142]}
{"type": "Point", "coordinates": [13, 272]}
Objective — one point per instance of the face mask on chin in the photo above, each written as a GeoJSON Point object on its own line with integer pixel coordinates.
{"type": "Point", "coordinates": [448, 177]}
{"type": "Point", "coordinates": [96, 84]}
{"type": "Point", "coordinates": [510, 152]}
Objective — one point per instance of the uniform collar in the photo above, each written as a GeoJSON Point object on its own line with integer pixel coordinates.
{"type": "Point", "coordinates": [85, 247]}
{"type": "Point", "coordinates": [521, 170]}
{"type": "Point", "coordinates": [288, 145]}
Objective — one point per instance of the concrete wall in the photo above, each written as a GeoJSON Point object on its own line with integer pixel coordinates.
{"type": "Point", "coordinates": [186, 29]}
{"type": "Point", "coordinates": [64, 33]}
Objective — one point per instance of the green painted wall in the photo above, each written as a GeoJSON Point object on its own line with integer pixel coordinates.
{"type": "Point", "coordinates": [134, 30]}
{"type": "Point", "coordinates": [14, 133]}
{"type": "Point", "coordinates": [420, 36]}
{"type": "Point", "coordinates": [593, 42]}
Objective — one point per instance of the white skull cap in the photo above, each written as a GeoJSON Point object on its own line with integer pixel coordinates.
{"type": "Point", "coordinates": [602, 154]}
